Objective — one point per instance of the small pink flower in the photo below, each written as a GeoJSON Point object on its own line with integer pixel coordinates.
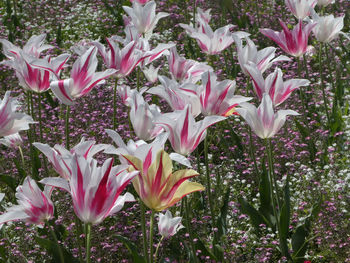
{"type": "Point", "coordinates": [292, 42]}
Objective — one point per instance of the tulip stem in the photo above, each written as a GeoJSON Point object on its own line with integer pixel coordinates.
{"type": "Point", "coordinates": [151, 236]}
{"type": "Point", "coordinates": [53, 234]}
{"type": "Point", "coordinates": [208, 177]}
{"type": "Point", "coordinates": [143, 226]}
{"type": "Point", "coordinates": [322, 86]}
{"type": "Point", "coordinates": [22, 156]}
{"type": "Point", "coordinates": [301, 91]}
{"type": "Point", "coordinates": [188, 227]}
{"type": "Point", "coordinates": [67, 126]}
{"type": "Point", "coordinates": [115, 104]}
{"type": "Point", "coordinates": [330, 69]}
{"type": "Point", "coordinates": [41, 130]}
{"type": "Point", "coordinates": [156, 254]}
{"type": "Point", "coordinates": [88, 242]}
{"type": "Point", "coordinates": [77, 235]}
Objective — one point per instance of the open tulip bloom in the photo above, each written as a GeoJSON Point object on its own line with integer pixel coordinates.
{"type": "Point", "coordinates": [142, 117]}
{"type": "Point", "coordinates": [146, 152]}
{"type": "Point", "coordinates": [263, 59]}
{"type": "Point", "coordinates": [263, 121]}
{"type": "Point", "coordinates": [12, 141]}
{"type": "Point", "coordinates": [60, 156]}
{"type": "Point", "coordinates": [300, 8]}
{"type": "Point", "coordinates": [34, 206]}
{"type": "Point", "coordinates": [217, 98]}
{"type": "Point", "coordinates": [168, 225]}
{"type": "Point", "coordinates": [185, 70]}
{"type": "Point", "coordinates": [95, 191]}
{"type": "Point", "coordinates": [292, 42]}
{"type": "Point", "coordinates": [11, 121]}
{"type": "Point", "coordinates": [32, 48]}
{"type": "Point", "coordinates": [273, 85]}
{"type": "Point", "coordinates": [176, 95]}
{"type": "Point", "coordinates": [328, 28]}
{"type": "Point", "coordinates": [157, 185]}
{"type": "Point", "coordinates": [144, 18]}
{"type": "Point", "coordinates": [184, 132]}
{"type": "Point", "coordinates": [82, 78]}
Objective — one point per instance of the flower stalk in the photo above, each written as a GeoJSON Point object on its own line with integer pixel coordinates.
{"type": "Point", "coordinates": [151, 232]}
{"type": "Point", "coordinates": [88, 242]}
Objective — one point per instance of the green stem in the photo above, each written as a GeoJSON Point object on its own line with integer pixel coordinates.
{"type": "Point", "coordinates": [41, 131]}
{"type": "Point", "coordinates": [252, 150]}
{"type": "Point", "coordinates": [301, 90]}
{"type": "Point", "coordinates": [138, 79]}
{"type": "Point", "coordinates": [77, 236]}
{"type": "Point", "coordinates": [151, 237]}
{"type": "Point", "coordinates": [143, 226]}
{"type": "Point", "coordinates": [67, 126]}
{"type": "Point", "coordinates": [156, 254]}
{"type": "Point", "coordinates": [322, 85]}
{"type": "Point", "coordinates": [208, 177]}
{"type": "Point", "coordinates": [330, 69]}
{"type": "Point", "coordinates": [88, 242]}
{"type": "Point", "coordinates": [53, 234]}
{"type": "Point", "coordinates": [189, 229]}
{"type": "Point", "coordinates": [115, 104]}
{"type": "Point", "coordinates": [22, 156]}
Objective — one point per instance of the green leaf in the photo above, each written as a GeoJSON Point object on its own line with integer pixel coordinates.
{"type": "Point", "coordinates": [221, 223]}
{"type": "Point", "coordinates": [9, 181]}
{"type": "Point", "coordinates": [298, 243]}
{"type": "Point", "coordinates": [20, 169]}
{"type": "Point", "coordinates": [256, 218]}
{"type": "Point", "coordinates": [133, 249]}
{"type": "Point", "coordinates": [52, 248]}
{"type": "Point", "coordinates": [48, 96]}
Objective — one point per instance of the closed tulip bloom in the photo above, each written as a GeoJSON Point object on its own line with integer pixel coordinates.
{"type": "Point", "coordinates": [300, 8]}
{"type": "Point", "coordinates": [184, 132]}
{"type": "Point", "coordinates": [34, 206]}
{"type": "Point", "coordinates": [59, 156]}
{"type": "Point", "coordinates": [11, 121]}
{"type": "Point", "coordinates": [263, 59]}
{"type": "Point", "coordinates": [176, 95]}
{"type": "Point", "coordinates": [328, 28]}
{"type": "Point", "coordinates": [142, 117]}
{"type": "Point", "coordinates": [158, 187]}
{"type": "Point", "coordinates": [217, 98]}
{"type": "Point", "coordinates": [144, 18]}
{"type": "Point", "coordinates": [151, 73]}
{"type": "Point", "coordinates": [292, 42]}
{"type": "Point", "coordinates": [82, 78]}
{"type": "Point", "coordinates": [274, 85]}
{"type": "Point", "coordinates": [263, 121]}
{"type": "Point", "coordinates": [185, 70]}
{"type": "Point", "coordinates": [95, 191]}
{"type": "Point", "coordinates": [167, 225]}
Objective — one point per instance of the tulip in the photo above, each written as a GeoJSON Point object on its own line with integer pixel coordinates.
{"type": "Point", "coordinates": [142, 116]}
{"type": "Point", "coordinates": [11, 121]}
{"type": "Point", "coordinates": [142, 150]}
{"type": "Point", "coordinates": [12, 141]}
{"type": "Point", "coordinates": [211, 42]}
{"type": "Point", "coordinates": [82, 78]}
{"type": "Point", "coordinates": [36, 75]}
{"type": "Point", "coordinates": [300, 8]}
{"type": "Point", "coordinates": [142, 2]}
{"type": "Point", "coordinates": [144, 18]}
{"type": "Point", "coordinates": [327, 28]}
{"type": "Point", "coordinates": [185, 132]}
{"type": "Point", "coordinates": [34, 206]}
{"type": "Point", "coordinates": [151, 73]}
{"type": "Point", "coordinates": [274, 85]}
{"type": "Point", "coordinates": [95, 191]}
{"type": "Point", "coordinates": [59, 156]}
{"type": "Point", "coordinates": [158, 187]}
{"type": "Point", "coordinates": [217, 98]}
{"type": "Point", "coordinates": [263, 58]}
{"type": "Point", "coordinates": [205, 16]}
{"type": "Point", "coordinates": [176, 95]}
{"type": "Point", "coordinates": [124, 61]}
{"type": "Point", "coordinates": [185, 70]}
{"type": "Point", "coordinates": [33, 48]}
{"type": "Point", "coordinates": [292, 42]}
{"type": "Point", "coordinates": [167, 225]}
{"type": "Point", "coordinates": [263, 121]}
